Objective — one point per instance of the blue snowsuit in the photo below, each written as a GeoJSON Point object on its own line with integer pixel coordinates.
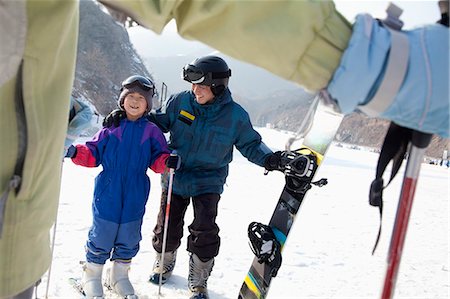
{"type": "Point", "coordinates": [122, 188]}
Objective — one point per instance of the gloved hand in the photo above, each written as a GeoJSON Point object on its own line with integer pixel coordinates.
{"type": "Point", "coordinates": [71, 152]}
{"type": "Point", "coordinates": [173, 161]}
{"type": "Point", "coordinates": [114, 118]}
{"type": "Point", "coordinates": [273, 162]}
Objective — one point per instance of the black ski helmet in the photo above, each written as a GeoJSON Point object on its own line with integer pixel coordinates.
{"type": "Point", "coordinates": [139, 84]}
{"type": "Point", "coordinates": [209, 70]}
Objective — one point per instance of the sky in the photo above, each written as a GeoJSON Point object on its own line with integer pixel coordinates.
{"type": "Point", "coordinates": [327, 254]}
{"type": "Point", "coordinates": [415, 13]}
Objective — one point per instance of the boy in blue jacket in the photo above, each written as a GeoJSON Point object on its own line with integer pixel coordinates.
{"type": "Point", "coordinates": [122, 188]}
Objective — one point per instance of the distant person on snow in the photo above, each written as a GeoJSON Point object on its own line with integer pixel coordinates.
{"type": "Point", "coordinates": [204, 124]}
{"type": "Point", "coordinates": [80, 115]}
{"type": "Point", "coordinates": [125, 152]}
{"type": "Point", "coordinates": [308, 42]}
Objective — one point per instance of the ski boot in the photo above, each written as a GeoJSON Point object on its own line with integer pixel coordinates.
{"type": "Point", "coordinates": [166, 269]}
{"type": "Point", "coordinates": [91, 281]}
{"type": "Point", "coordinates": [199, 272]}
{"type": "Point", "coordinates": [117, 280]}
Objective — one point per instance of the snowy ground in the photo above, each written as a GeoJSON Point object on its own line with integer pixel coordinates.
{"type": "Point", "coordinates": [327, 254]}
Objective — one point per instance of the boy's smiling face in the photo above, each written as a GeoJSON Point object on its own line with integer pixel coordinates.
{"type": "Point", "coordinates": [203, 94]}
{"type": "Point", "coordinates": [135, 105]}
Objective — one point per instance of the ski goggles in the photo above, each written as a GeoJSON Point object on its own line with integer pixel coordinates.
{"type": "Point", "coordinates": [140, 81]}
{"type": "Point", "coordinates": [195, 75]}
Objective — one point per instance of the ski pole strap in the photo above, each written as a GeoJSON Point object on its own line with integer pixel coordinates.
{"type": "Point", "coordinates": [265, 246]}
{"type": "Point", "coordinates": [393, 149]}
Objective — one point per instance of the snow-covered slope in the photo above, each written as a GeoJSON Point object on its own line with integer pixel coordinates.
{"type": "Point", "coordinates": [328, 253]}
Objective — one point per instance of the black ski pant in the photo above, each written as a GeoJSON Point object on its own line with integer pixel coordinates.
{"type": "Point", "coordinates": [203, 239]}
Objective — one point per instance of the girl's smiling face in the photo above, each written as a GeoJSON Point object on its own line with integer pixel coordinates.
{"type": "Point", "coordinates": [135, 105]}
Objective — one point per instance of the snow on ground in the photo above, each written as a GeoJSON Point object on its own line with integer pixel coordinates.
{"type": "Point", "coordinates": [327, 254]}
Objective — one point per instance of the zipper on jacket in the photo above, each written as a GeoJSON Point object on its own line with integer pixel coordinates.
{"type": "Point", "coordinates": [16, 180]}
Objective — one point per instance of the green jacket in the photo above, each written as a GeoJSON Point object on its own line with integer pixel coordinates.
{"type": "Point", "coordinates": [50, 43]}
{"type": "Point", "coordinates": [318, 35]}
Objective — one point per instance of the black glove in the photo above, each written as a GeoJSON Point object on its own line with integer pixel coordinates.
{"type": "Point", "coordinates": [173, 161]}
{"type": "Point", "coordinates": [273, 162]}
{"type": "Point", "coordinates": [71, 152]}
{"type": "Point", "coordinates": [114, 118]}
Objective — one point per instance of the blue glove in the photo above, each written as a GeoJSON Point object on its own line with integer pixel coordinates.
{"type": "Point", "coordinates": [173, 161]}
{"type": "Point", "coordinates": [422, 101]}
{"type": "Point", "coordinates": [71, 152]}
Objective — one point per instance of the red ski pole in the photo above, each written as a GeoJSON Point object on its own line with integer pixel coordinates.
{"type": "Point", "coordinates": [418, 145]}
{"type": "Point", "coordinates": [166, 224]}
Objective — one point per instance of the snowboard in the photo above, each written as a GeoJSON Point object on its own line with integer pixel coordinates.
{"type": "Point", "coordinates": [322, 128]}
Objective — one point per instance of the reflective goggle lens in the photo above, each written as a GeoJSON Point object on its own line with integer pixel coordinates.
{"type": "Point", "coordinates": [193, 74]}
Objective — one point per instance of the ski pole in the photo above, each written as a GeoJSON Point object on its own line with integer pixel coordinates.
{"type": "Point", "coordinates": [49, 275]}
{"type": "Point", "coordinates": [418, 145]}
{"type": "Point", "coordinates": [166, 224]}
{"type": "Point", "coordinates": [322, 98]}
{"type": "Point", "coordinates": [305, 125]}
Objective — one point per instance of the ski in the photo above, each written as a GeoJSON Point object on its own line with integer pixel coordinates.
{"type": "Point", "coordinates": [300, 166]}
{"type": "Point", "coordinates": [76, 284]}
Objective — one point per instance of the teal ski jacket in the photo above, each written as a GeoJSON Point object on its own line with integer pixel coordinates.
{"type": "Point", "coordinates": [204, 136]}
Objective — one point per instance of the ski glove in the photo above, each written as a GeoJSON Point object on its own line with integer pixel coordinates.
{"type": "Point", "coordinates": [114, 118]}
{"type": "Point", "coordinates": [71, 152]}
{"type": "Point", "coordinates": [273, 162]}
{"type": "Point", "coordinates": [173, 161]}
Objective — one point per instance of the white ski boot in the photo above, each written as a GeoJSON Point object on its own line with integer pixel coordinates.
{"type": "Point", "coordinates": [91, 281]}
{"type": "Point", "coordinates": [118, 281]}
{"type": "Point", "coordinates": [199, 272]}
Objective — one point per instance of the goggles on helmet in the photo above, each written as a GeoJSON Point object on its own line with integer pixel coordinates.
{"type": "Point", "coordinates": [195, 75]}
{"type": "Point", "coordinates": [140, 81]}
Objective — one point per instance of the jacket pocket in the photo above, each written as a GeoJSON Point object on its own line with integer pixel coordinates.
{"type": "Point", "coordinates": [219, 143]}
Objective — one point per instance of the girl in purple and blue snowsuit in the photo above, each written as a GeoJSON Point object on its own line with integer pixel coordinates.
{"type": "Point", "coordinates": [122, 188]}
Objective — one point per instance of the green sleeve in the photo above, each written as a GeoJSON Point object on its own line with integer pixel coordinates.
{"type": "Point", "coordinates": [301, 41]}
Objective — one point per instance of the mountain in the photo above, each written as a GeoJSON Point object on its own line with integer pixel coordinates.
{"type": "Point", "coordinates": [105, 57]}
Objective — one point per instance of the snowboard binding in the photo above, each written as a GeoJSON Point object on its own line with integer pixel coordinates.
{"type": "Point", "coordinates": [299, 168]}
{"type": "Point", "coordinates": [265, 246]}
